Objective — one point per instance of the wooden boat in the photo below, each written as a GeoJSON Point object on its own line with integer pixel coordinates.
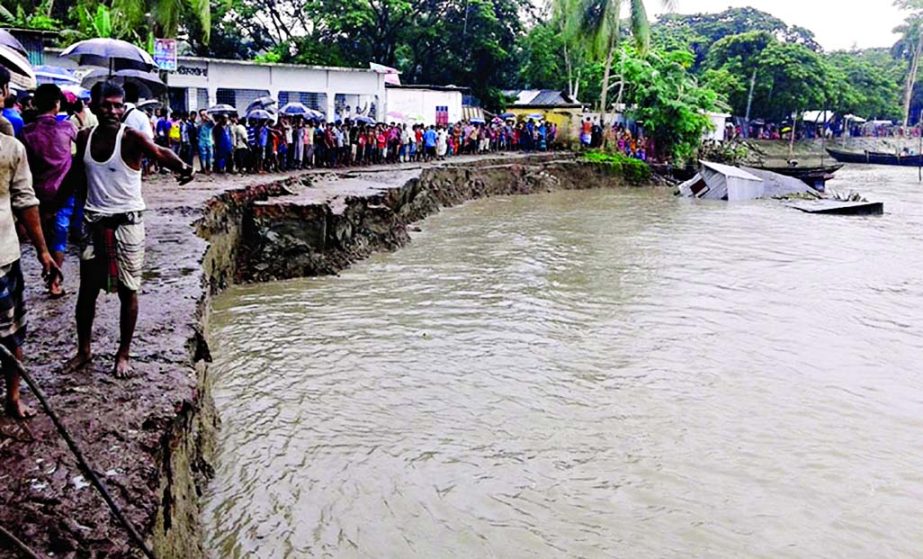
{"type": "Point", "coordinates": [876, 158]}
{"type": "Point", "coordinates": [815, 177]}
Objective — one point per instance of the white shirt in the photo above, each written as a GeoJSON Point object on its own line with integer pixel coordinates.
{"type": "Point", "coordinates": [112, 186]}
{"type": "Point", "coordinates": [138, 119]}
{"type": "Point", "coordinates": [15, 194]}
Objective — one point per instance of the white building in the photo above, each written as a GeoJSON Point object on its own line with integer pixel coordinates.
{"type": "Point", "coordinates": [432, 104]}
{"type": "Point", "coordinates": [201, 82]}
{"type": "Point", "coordinates": [719, 123]}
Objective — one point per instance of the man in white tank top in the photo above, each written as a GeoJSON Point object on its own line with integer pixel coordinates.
{"type": "Point", "coordinates": [110, 158]}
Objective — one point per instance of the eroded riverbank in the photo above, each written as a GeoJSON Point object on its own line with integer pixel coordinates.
{"type": "Point", "coordinates": [152, 436]}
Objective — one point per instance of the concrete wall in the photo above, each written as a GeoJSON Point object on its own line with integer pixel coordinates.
{"type": "Point", "coordinates": [211, 74]}
{"type": "Point", "coordinates": [424, 102]}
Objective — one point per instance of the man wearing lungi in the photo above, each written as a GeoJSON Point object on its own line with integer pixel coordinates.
{"type": "Point", "coordinates": [112, 248]}
{"type": "Point", "coordinates": [17, 198]}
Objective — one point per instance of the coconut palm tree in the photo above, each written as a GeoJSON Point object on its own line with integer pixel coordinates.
{"type": "Point", "coordinates": [165, 14]}
{"type": "Point", "coordinates": [910, 48]}
{"type": "Point", "coordinates": [599, 24]}
{"type": "Point", "coordinates": [563, 16]}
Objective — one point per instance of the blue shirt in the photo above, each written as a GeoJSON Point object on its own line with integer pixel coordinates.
{"type": "Point", "coordinates": [205, 134]}
{"type": "Point", "coordinates": [429, 138]}
{"type": "Point", "coordinates": [163, 127]}
{"type": "Point", "coordinates": [12, 115]}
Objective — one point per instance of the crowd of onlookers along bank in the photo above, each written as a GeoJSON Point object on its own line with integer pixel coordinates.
{"type": "Point", "coordinates": [226, 143]}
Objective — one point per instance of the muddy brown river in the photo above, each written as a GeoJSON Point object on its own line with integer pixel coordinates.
{"type": "Point", "coordinates": [586, 374]}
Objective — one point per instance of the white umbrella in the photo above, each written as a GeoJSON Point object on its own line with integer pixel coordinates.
{"type": "Point", "coordinates": [23, 76]}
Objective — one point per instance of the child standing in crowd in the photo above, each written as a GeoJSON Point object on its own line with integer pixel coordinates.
{"type": "Point", "coordinates": [264, 139]}
{"type": "Point", "coordinates": [175, 133]}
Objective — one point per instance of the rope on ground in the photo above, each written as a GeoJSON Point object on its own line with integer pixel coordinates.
{"type": "Point", "coordinates": [25, 549]}
{"type": "Point", "coordinates": [11, 361]}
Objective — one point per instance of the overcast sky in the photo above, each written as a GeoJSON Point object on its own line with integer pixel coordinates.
{"type": "Point", "coordinates": [838, 24]}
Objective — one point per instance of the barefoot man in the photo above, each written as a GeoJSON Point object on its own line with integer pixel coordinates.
{"type": "Point", "coordinates": [16, 198]}
{"type": "Point", "coordinates": [112, 254]}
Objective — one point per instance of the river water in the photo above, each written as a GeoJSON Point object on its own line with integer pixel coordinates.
{"type": "Point", "coordinates": [586, 374]}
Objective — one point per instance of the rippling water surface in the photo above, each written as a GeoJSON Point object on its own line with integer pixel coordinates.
{"type": "Point", "coordinates": [588, 374]}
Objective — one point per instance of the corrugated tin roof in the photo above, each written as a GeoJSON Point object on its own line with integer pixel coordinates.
{"type": "Point", "coordinates": [546, 97]}
{"type": "Point", "coordinates": [729, 171]}
{"type": "Point", "coordinates": [550, 97]}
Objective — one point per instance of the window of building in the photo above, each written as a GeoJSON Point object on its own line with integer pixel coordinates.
{"type": "Point", "coordinates": [316, 101]}
{"type": "Point", "coordinates": [240, 98]}
{"type": "Point", "coordinates": [201, 98]}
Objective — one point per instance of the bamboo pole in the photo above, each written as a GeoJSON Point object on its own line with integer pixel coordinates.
{"type": "Point", "coordinates": [10, 361]}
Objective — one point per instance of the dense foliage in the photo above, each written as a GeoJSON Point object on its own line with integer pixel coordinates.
{"type": "Point", "coordinates": [666, 98]}
{"type": "Point", "coordinates": [632, 170]}
{"type": "Point", "coordinates": [786, 68]}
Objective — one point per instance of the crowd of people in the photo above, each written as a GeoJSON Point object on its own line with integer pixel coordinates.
{"type": "Point", "coordinates": [66, 168]}
{"type": "Point", "coordinates": [225, 143]}
{"type": "Point", "coordinates": [593, 135]}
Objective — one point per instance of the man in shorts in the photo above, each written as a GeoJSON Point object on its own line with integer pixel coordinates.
{"type": "Point", "coordinates": [112, 249]}
{"type": "Point", "coordinates": [17, 198]}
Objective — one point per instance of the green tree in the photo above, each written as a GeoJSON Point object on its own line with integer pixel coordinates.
{"type": "Point", "coordinates": [541, 59]}
{"type": "Point", "coordinates": [797, 78]}
{"type": "Point", "coordinates": [699, 32]}
{"type": "Point", "coordinates": [600, 25]}
{"type": "Point", "coordinates": [165, 16]}
{"type": "Point", "coordinates": [872, 90]}
{"type": "Point", "coordinates": [910, 47]}
{"type": "Point", "coordinates": [739, 58]}
{"type": "Point", "coordinates": [666, 98]}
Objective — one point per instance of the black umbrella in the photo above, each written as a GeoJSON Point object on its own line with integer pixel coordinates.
{"type": "Point", "coordinates": [113, 54]}
{"type": "Point", "coordinates": [149, 81]}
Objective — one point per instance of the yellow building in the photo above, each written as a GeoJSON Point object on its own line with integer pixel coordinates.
{"type": "Point", "coordinates": [553, 106]}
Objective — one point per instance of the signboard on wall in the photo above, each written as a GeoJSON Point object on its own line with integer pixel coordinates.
{"type": "Point", "coordinates": [442, 115]}
{"type": "Point", "coordinates": [165, 54]}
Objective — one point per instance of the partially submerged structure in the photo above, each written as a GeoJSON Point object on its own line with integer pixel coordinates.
{"type": "Point", "coordinates": [715, 181]}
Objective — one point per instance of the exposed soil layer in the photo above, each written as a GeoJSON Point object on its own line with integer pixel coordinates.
{"type": "Point", "coordinates": [151, 437]}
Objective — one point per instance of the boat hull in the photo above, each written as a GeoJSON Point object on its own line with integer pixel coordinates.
{"type": "Point", "coordinates": [876, 158]}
